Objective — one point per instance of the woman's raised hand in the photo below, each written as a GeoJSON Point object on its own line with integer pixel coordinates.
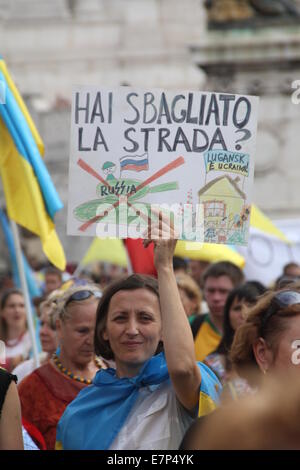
{"type": "Point", "coordinates": [164, 237]}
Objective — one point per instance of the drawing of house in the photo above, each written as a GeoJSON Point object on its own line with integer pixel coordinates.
{"type": "Point", "coordinates": [223, 202]}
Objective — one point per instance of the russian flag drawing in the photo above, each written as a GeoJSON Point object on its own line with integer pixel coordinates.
{"type": "Point", "coordinates": [134, 163]}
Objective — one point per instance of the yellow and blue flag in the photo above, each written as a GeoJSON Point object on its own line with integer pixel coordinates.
{"type": "Point", "coordinates": [31, 198]}
{"type": "Point", "coordinates": [34, 289]}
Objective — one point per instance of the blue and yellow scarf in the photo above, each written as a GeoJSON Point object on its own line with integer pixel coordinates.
{"type": "Point", "coordinates": [94, 418]}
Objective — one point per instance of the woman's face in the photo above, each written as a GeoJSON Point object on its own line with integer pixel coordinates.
{"type": "Point", "coordinates": [133, 329]}
{"type": "Point", "coordinates": [47, 335]}
{"type": "Point", "coordinates": [189, 304]}
{"type": "Point", "coordinates": [14, 312]}
{"type": "Point", "coordinates": [285, 354]}
{"type": "Point", "coordinates": [236, 313]}
{"type": "Point", "coordinates": [76, 332]}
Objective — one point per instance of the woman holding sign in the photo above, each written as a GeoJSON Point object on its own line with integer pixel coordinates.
{"type": "Point", "coordinates": [151, 398]}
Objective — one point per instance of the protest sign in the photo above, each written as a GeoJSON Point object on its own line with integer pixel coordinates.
{"type": "Point", "coordinates": [190, 153]}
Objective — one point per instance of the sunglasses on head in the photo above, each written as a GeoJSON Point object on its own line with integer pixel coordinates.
{"type": "Point", "coordinates": [286, 281]}
{"type": "Point", "coordinates": [281, 300]}
{"type": "Point", "coordinates": [82, 295]}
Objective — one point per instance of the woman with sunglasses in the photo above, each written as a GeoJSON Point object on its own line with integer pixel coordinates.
{"type": "Point", "coordinates": [269, 338]}
{"type": "Point", "coordinates": [49, 389]}
{"type": "Point", "coordinates": [239, 301]}
{"type": "Point", "coordinates": [151, 397]}
{"type": "Point", "coordinates": [266, 343]}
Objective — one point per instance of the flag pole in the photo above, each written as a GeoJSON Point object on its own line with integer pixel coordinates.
{"type": "Point", "coordinates": [129, 265]}
{"type": "Point", "coordinates": [25, 291]}
{"type": "Point", "coordinates": [77, 271]}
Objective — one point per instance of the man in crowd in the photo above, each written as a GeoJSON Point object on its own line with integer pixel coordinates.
{"type": "Point", "coordinates": [53, 279]}
{"type": "Point", "coordinates": [292, 270]}
{"type": "Point", "coordinates": [197, 268]}
{"type": "Point", "coordinates": [218, 280]}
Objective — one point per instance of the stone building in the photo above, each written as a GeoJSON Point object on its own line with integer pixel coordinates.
{"type": "Point", "coordinates": [49, 45]}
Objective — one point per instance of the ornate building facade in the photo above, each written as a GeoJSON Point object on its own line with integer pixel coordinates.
{"type": "Point", "coordinates": [49, 45]}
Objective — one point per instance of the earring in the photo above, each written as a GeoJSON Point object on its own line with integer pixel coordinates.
{"type": "Point", "coordinates": [264, 371]}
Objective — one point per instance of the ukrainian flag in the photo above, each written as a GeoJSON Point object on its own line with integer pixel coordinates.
{"type": "Point", "coordinates": [31, 197]}
{"type": "Point", "coordinates": [34, 290]}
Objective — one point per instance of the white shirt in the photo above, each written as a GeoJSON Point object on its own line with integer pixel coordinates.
{"type": "Point", "coordinates": [156, 421]}
{"type": "Point", "coordinates": [28, 442]}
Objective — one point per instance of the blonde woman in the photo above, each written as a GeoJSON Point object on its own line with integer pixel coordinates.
{"type": "Point", "coordinates": [49, 389]}
{"type": "Point", "coordinates": [190, 295]}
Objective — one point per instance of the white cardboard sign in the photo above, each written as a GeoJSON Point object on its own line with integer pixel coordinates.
{"type": "Point", "coordinates": [189, 152]}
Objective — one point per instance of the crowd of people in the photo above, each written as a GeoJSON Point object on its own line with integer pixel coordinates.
{"type": "Point", "coordinates": [182, 361]}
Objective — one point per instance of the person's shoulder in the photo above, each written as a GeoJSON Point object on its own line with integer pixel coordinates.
{"type": "Point", "coordinates": [6, 377]}
{"type": "Point", "coordinates": [5, 381]}
{"type": "Point", "coordinates": [86, 399]}
{"type": "Point", "coordinates": [214, 358]}
{"type": "Point", "coordinates": [11, 395]}
{"type": "Point", "coordinates": [24, 368]}
{"type": "Point", "coordinates": [216, 362]}
{"type": "Point", "coordinates": [3, 373]}
{"type": "Point", "coordinates": [31, 379]}
{"type": "Point", "coordinates": [197, 322]}
{"type": "Point", "coordinates": [209, 380]}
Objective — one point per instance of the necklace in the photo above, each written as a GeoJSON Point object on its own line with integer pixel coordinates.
{"type": "Point", "coordinates": [70, 374]}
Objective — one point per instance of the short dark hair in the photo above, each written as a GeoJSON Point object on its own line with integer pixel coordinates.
{"type": "Point", "coordinates": [132, 282]}
{"type": "Point", "coordinates": [53, 270]}
{"type": "Point", "coordinates": [250, 292]}
{"type": "Point", "coordinates": [224, 268]}
{"type": "Point", "coordinates": [290, 265]}
{"type": "Point", "coordinates": [4, 298]}
{"type": "Point", "coordinates": [179, 263]}
{"type": "Point", "coordinates": [6, 294]}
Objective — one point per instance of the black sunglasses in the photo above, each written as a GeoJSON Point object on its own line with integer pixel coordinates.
{"type": "Point", "coordinates": [82, 295]}
{"type": "Point", "coordinates": [281, 300]}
